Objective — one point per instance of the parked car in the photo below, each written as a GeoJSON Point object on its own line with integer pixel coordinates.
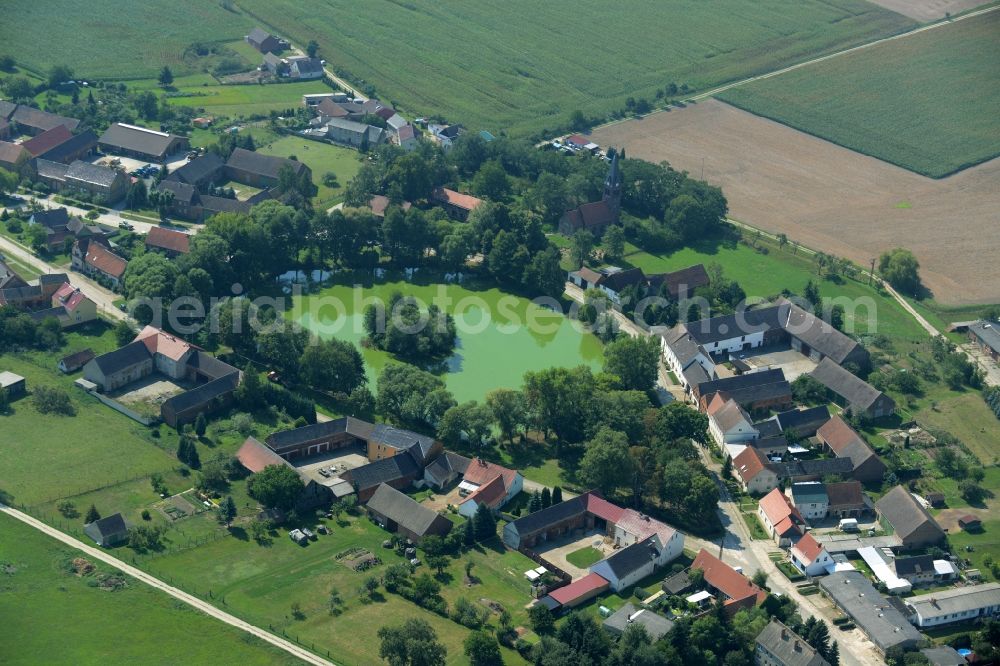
{"type": "Point", "coordinates": [127, 226]}
{"type": "Point", "coordinates": [309, 533]}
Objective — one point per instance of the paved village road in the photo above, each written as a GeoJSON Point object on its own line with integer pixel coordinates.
{"type": "Point", "coordinates": [104, 298]}
{"type": "Point", "coordinates": [737, 549]}
{"type": "Point", "coordinates": [190, 600]}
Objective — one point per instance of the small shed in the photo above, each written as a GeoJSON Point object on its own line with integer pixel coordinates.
{"type": "Point", "coordinates": [970, 523]}
{"type": "Point", "coordinates": [14, 385]}
{"type": "Point", "coordinates": [936, 500]}
{"type": "Point", "coordinates": [75, 361]}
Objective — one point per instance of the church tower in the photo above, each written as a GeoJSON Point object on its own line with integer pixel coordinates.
{"type": "Point", "coordinates": [613, 184]}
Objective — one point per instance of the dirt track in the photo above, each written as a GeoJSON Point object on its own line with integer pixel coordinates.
{"type": "Point", "coordinates": [831, 198]}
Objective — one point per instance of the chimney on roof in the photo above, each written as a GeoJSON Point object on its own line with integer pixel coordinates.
{"type": "Point", "coordinates": [798, 646]}
{"type": "Point", "coordinates": [784, 634]}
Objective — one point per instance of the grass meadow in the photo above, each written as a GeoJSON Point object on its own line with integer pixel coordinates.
{"type": "Point", "coordinates": [321, 158]}
{"type": "Point", "coordinates": [926, 103]}
{"type": "Point", "coordinates": [114, 40]}
{"type": "Point", "coordinates": [245, 100]}
{"type": "Point", "coordinates": [260, 584]}
{"type": "Point", "coordinates": [70, 454]}
{"type": "Point", "coordinates": [51, 613]}
{"type": "Point", "coordinates": [553, 57]}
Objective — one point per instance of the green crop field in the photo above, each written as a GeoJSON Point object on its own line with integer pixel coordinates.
{"type": "Point", "coordinates": [122, 40]}
{"type": "Point", "coordinates": [321, 158]}
{"type": "Point", "coordinates": [524, 66]}
{"type": "Point", "coordinates": [52, 615]}
{"type": "Point", "coordinates": [926, 103]}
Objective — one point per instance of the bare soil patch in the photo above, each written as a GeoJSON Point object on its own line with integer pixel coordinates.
{"type": "Point", "coordinates": [948, 518]}
{"type": "Point", "coordinates": [927, 10]}
{"type": "Point", "coordinates": [831, 198]}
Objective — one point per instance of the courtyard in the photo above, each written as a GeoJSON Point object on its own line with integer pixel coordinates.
{"type": "Point", "coordinates": [146, 395]}
{"type": "Point", "coordinates": [791, 362]}
{"type": "Point", "coordinates": [560, 552]}
{"type": "Point", "coordinates": [329, 465]}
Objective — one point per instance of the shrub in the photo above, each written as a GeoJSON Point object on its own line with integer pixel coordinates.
{"type": "Point", "coordinates": [68, 509]}
{"type": "Point", "coordinates": [50, 400]}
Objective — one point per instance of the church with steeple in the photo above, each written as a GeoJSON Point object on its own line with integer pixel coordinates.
{"type": "Point", "coordinates": [597, 216]}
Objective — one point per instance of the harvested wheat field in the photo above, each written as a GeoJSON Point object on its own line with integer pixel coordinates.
{"type": "Point", "coordinates": [831, 198]}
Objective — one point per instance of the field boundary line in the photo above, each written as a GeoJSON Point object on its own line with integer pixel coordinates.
{"type": "Point", "coordinates": [812, 61]}
{"type": "Point", "coordinates": [156, 583]}
{"type": "Point", "coordinates": [909, 309]}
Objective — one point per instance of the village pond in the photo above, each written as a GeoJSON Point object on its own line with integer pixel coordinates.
{"type": "Point", "coordinates": [500, 336]}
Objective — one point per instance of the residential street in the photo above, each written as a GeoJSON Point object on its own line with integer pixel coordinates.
{"type": "Point", "coordinates": [738, 549]}
{"type": "Point", "coordinates": [188, 599]}
{"type": "Point", "coordinates": [113, 219]}
{"type": "Point", "coordinates": [104, 298]}
{"type": "Point", "coordinates": [742, 551]}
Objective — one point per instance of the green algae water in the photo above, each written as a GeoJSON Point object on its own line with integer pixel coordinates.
{"type": "Point", "coordinates": [500, 336]}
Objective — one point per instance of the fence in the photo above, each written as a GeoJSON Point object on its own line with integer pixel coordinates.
{"type": "Point", "coordinates": [109, 484]}
{"type": "Point", "coordinates": [118, 407]}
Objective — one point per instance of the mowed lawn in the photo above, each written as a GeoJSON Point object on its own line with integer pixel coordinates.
{"type": "Point", "coordinates": [56, 617]}
{"type": "Point", "coordinates": [321, 158]}
{"type": "Point", "coordinates": [247, 100]}
{"type": "Point", "coordinates": [106, 39]}
{"type": "Point", "coordinates": [763, 276]}
{"type": "Point", "coordinates": [524, 66]}
{"type": "Point", "coordinates": [47, 456]}
{"type": "Point", "coordinates": [260, 584]}
{"type": "Point", "coordinates": [927, 103]}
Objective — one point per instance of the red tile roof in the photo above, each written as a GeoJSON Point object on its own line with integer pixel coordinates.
{"type": "Point", "coordinates": [11, 152]}
{"type": "Point", "coordinates": [457, 199]}
{"type": "Point", "coordinates": [47, 140]}
{"type": "Point", "coordinates": [105, 260]}
{"type": "Point", "coordinates": [780, 512]}
{"type": "Point", "coordinates": [741, 591]}
{"type": "Point", "coordinates": [255, 456]}
{"type": "Point", "coordinates": [579, 588]}
{"type": "Point", "coordinates": [808, 548]}
{"type": "Point", "coordinates": [838, 434]}
{"type": "Point", "coordinates": [749, 463]}
{"type": "Point", "coordinates": [68, 296]}
{"type": "Point", "coordinates": [644, 526]}
{"type": "Point", "coordinates": [490, 493]}
{"type": "Point", "coordinates": [158, 342]}
{"type": "Point", "coordinates": [602, 508]}
{"type": "Point", "coordinates": [167, 239]}
{"type": "Point", "coordinates": [482, 471]}
{"type": "Point", "coordinates": [717, 402]}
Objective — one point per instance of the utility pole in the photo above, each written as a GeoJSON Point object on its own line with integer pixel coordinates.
{"type": "Point", "coordinates": [871, 273]}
